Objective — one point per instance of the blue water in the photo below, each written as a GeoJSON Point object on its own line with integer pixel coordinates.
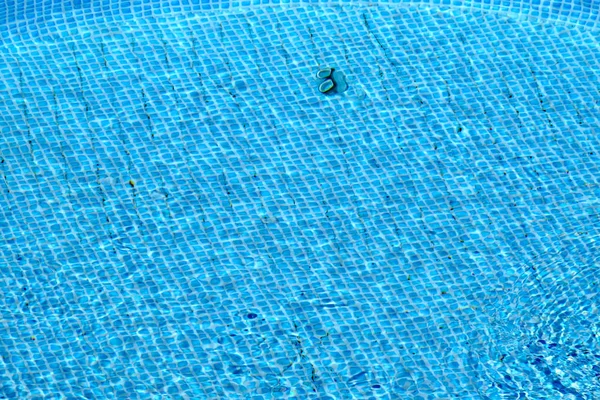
{"type": "Point", "coordinates": [184, 215]}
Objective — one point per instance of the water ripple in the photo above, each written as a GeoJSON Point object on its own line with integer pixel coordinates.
{"type": "Point", "coordinates": [543, 339]}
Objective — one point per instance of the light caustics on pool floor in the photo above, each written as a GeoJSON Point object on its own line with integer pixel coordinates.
{"type": "Point", "coordinates": [185, 214]}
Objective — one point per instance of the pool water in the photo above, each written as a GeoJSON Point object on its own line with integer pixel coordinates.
{"type": "Point", "coordinates": [187, 213]}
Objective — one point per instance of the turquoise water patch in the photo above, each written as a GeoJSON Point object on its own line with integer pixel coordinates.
{"type": "Point", "coordinates": [183, 214]}
{"type": "Point", "coordinates": [544, 336]}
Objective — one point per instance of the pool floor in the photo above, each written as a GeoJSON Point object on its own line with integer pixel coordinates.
{"type": "Point", "coordinates": [300, 201]}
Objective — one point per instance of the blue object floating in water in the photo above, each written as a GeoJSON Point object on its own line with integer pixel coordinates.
{"type": "Point", "coordinates": [324, 73]}
{"type": "Point", "coordinates": [326, 86]}
{"type": "Point", "coordinates": [334, 81]}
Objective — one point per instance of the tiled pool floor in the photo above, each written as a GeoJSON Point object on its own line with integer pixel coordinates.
{"type": "Point", "coordinates": [184, 215]}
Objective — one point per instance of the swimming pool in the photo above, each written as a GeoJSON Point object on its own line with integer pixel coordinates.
{"type": "Point", "coordinates": [189, 209]}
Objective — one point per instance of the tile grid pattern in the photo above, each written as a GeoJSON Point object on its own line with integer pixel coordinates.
{"type": "Point", "coordinates": [185, 215]}
{"type": "Point", "coordinates": [35, 18]}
